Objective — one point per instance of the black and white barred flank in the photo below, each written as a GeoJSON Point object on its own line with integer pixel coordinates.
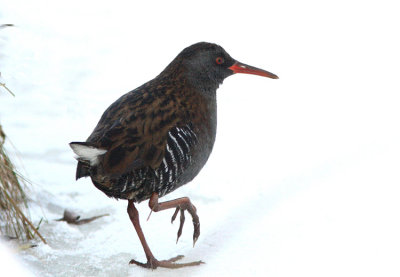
{"type": "Point", "coordinates": [178, 156]}
{"type": "Point", "coordinates": [139, 184]}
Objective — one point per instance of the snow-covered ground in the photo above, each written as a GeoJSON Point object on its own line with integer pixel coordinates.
{"type": "Point", "coordinates": [304, 179]}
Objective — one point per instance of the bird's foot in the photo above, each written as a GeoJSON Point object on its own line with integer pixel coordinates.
{"type": "Point", "coordinates": [196, 222]}
{"type": "Point", "coordinates": [153, 263]}
{"type": "Point", "coordinates": [180, 205]}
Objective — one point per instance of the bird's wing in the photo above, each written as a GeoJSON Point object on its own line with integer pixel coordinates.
{"type": "Point", "coordinates": [134, 132]}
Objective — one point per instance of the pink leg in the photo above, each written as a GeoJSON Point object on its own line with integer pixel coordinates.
{"type": "Point", "coordinates": [152, 262]}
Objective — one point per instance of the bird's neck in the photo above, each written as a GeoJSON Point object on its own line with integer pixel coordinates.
{"type": "Point", "coordinates": [204, 83]}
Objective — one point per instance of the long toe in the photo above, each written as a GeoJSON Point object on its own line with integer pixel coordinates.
{"type": "Point", "coordinates": [196, 232]}
{"type": "Point", "coordinates": [182, 221]}
{"type": "Point", "coordinates": [175, 214]}
{"type": "Point", "coordinates": [170, 263]}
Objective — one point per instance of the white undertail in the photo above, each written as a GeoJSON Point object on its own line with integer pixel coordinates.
{"type": "Point", "coordinates": [87, 153]}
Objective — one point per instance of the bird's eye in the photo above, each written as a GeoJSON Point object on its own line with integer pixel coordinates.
{"type": "Point", "coordinates": [219, 60]}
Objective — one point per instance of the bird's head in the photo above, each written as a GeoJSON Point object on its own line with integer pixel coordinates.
{"type": "Point", "coordinates": [206, 65]}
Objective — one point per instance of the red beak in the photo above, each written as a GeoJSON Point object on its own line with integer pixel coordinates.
{"type": "Point", "coordinates": [238, 67]}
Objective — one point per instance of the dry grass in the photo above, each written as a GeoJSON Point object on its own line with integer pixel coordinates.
{"type": "Point", "coordinates": [13, 202]}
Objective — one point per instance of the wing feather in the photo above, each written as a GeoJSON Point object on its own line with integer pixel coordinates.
{"type": "Point", "coordinates": [134, 131]}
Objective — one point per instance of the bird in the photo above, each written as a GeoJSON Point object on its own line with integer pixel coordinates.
{"type": "Point", "coordinates": [157, 137]}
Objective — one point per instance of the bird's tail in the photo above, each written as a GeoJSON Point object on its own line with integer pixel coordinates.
{"type": "Point", "coordinates": [82, 170]}
{"type": "Point", "coordinates": [87, 156]}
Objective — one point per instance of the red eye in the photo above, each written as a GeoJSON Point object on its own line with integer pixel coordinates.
{"type": "Point", "coordinates": [219, 60]}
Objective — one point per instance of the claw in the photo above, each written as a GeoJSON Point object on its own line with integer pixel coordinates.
{"type": "Point", "coordinates": [181, 224]}
{"type": "Point", "coordinates": [196, 232]}
{"type": "Point", "coordinates": [149, 214]}
{"type": "Point", "coordinates": [174, 215]}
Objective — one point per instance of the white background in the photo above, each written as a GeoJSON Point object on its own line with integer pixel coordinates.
{"type": "Point", "coordinates": [304, 177]}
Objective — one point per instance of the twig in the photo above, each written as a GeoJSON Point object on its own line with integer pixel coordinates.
{"type": "Point", "coordinates": [73, 218]}
{"type": "Point", "coordinates": [6, 25]}
{"type": "Point", "coordinates": [4, 86]}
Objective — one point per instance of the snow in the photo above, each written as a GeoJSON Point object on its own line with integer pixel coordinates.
{"type": "Point", "coordinates": [304, 177]}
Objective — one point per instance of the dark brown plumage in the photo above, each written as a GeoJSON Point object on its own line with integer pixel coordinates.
{"type": "Point", "coordinates": [158, 137]}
